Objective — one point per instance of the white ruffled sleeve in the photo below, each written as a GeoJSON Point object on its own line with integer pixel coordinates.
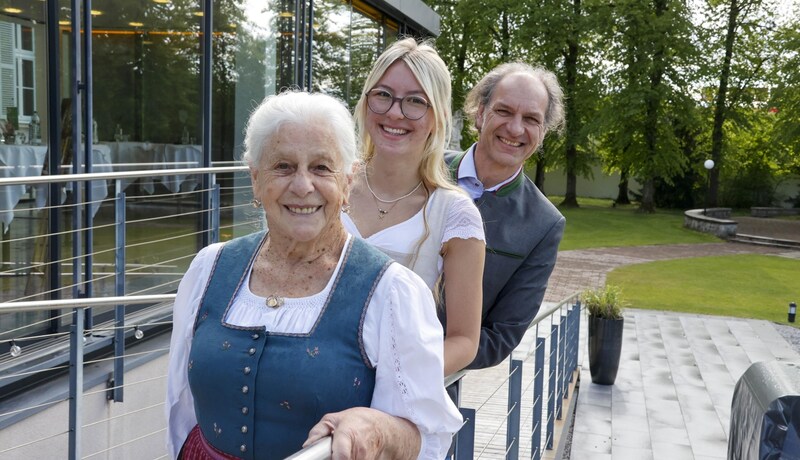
{"type": "Point", "coordinates": [463, 220]}
{"type": "Point", "coordinates": [403, 339]}
{"type": "Point", "coordinates": [179, 406]}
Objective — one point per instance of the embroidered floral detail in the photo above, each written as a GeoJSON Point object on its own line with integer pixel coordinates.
{"type": "Point", "coordinates": [191, 364]}
{"type": "Point", "coordinates": [313, 353]}
{"type": "Point", "coordinates": [226, 345]}
{"type": "Point", "coordinates": [205, 315]}
{"type": "Point", "coordinates": [217, 430]}
{"type": "Point", "coordinates": [286, 405]}
{"type": "Point", "coordinates": [356, 382]}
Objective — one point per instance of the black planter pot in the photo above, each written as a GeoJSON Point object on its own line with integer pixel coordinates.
{"type": "Point", "coordinates": [605, 346]}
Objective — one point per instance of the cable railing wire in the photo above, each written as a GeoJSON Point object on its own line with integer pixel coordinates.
{"type": "Point", "coordinates": [553, 317]}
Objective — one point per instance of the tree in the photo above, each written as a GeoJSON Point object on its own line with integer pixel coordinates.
{"type": "Point", "coordinates": [649, 70]}
{"type": "Point", "coordinates": [477, 35]}
{"type": "Point", "coordinates": [564, 34]}
{"type": "Point", "coordinates": [784, 106]}
{"type": "Point", "coordinates": [743, 18]}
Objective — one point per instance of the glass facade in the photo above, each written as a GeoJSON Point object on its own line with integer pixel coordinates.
{"type": "Point", "coordinates": [135, 88]}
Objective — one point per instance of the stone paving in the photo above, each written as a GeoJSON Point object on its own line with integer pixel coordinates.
{"type": "Point", "coordinates": [673, 393]}
{"type": "Point", "coordinates": [672, 398]}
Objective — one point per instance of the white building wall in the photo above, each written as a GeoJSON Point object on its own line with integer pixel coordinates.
{"type": "Point", "coordinates": [133, 429]}
{"type": "Point", "coordinates": [601, 186]}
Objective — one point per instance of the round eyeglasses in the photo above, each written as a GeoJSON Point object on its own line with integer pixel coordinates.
{"type": "Point", "coordinates": [381, 101]}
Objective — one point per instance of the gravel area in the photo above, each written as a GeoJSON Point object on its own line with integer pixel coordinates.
{"type": "Point", "coordinates": [791, 334]}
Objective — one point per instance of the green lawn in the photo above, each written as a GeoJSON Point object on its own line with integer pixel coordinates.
{"type": "Point", "coordinates": [746, 286]}
{"type": "Point", "coordinates": [597, 224]}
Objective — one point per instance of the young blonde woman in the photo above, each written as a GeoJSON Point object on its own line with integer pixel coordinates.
{"type": "Point", "coordinates": [402, 200]}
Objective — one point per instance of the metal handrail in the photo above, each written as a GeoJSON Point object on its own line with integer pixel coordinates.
{"type": "Point", "coordinates": [34, 180]}
{"type": "Point", "coordinates": [320, 450]}
{"type": "Point", "coordinates": [46, 305]}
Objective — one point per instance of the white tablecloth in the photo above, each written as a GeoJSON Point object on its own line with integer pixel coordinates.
{"type": "Point", "coordinates": [17, 161]}
{"type": "Point", "coordinates": [128, 156]}
{"type": "Point", "coordinates": [101, 162]}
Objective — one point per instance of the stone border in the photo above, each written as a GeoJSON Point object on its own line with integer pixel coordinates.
{"type": "Point", "coordinates": [712, 220]}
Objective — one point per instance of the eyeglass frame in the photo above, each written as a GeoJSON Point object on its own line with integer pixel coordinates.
{"type": "Point", "coordinates": [394, 100]}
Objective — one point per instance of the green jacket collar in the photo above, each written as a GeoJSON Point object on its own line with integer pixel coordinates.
{"type": "Point", "coordinates": [505, 190]}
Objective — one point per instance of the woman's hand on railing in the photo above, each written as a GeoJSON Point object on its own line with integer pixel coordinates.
{"type": "Point", "coordinates": [362, 433]}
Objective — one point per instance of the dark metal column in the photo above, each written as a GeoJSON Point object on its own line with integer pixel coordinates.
{"type": "Point", "coordinates": [205, 87]}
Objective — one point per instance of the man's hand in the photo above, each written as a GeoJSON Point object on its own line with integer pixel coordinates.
{"type": "Point", "coordinates": [362, 433]}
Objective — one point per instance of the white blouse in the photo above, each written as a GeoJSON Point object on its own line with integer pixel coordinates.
{"type": "Point", "coordinates": [402, 338]}
{"type": "Point", "coordinates": [459, 218]}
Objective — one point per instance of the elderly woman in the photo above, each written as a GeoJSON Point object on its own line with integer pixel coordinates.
{"type": "Point", "coordinates": [304, 326]}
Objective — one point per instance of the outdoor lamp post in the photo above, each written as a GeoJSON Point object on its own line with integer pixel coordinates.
{"type": "Point", "coordinates": [792, 311]}
{"type": "Point", "coordinates": [709, 165]}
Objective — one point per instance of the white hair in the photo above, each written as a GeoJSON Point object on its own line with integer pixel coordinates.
{"type": "Point", "coordinates": [313, 110]}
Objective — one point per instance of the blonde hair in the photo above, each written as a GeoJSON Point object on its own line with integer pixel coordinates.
{"type": "Point", "coordinates": [432, 74]}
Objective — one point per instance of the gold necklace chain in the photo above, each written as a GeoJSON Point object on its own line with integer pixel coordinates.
{"type": "Point", "coordinates": [366, 179]}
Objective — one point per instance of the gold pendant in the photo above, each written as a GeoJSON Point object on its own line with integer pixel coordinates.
{"type": "Point", "coordinates": [274, 301]}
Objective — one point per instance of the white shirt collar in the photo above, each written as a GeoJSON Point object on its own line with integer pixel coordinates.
{"type": "Point", "coordinates": [468, 173]}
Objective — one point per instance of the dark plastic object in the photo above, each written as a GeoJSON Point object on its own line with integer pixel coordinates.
{"type": "Point", "coordinates": [765, 413]}
{"type": "Point", "coordinates": [605, 346]}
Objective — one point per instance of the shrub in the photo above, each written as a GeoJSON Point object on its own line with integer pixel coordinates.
{"type": "Point", "coordinates": [606, 302]}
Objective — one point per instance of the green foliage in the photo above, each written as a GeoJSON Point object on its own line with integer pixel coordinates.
{"type": "Point", "coordinates": [785, 101]}
{"type": "Point", "coordinates": [606, 302]}
{"type": "Point", "coordinates": [746, 286]}
{"type": "Point", "coordinates": [642, 81]}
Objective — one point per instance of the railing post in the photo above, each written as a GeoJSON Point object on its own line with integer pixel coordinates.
{"type": "Point", "coordinates": [538, 399]}
{"type": "Point", "coordinates": [551, 385]}
{"type": "Point", "coordinates": [75, 383]}
{"type": "Point", "coordinates": [514, 403]}
{"type": "Point", "coordinates": [465, 438]}
{"type": "Point", "coordinates": [119, 290]}
{"type": "Point", "coordinates": [562, 366]}
{"type": "Point", "coordinates": [575, 328]}
{"type": "Point", "coordinates": [577, 333]}
{"type": "Point", "coordinates": [215, 210]}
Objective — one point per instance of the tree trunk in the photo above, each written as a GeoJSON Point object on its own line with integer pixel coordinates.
{"type": "Point", "coordinates": [573, 127]}
{"type": "Point", "coordinates": [539, 179]}
{"type": "Point", "coordinates": [653, 107]}
{"type": "Point", "coordinates": [648, 197]}
{"type": "Point", "coordinates": [720, 111]}
{"type": "Point", "coordinates": [622, 194]}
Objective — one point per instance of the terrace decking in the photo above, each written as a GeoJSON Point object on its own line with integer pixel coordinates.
{"type": "Point", "coordinates": [672, 397]}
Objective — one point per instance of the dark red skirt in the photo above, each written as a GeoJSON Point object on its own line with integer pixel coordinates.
{"type": "Point", "coordinates": [197, 448]}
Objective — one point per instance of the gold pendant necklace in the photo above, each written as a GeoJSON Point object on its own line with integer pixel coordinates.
{"type": "Point", "coordinates": [383, 212]}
